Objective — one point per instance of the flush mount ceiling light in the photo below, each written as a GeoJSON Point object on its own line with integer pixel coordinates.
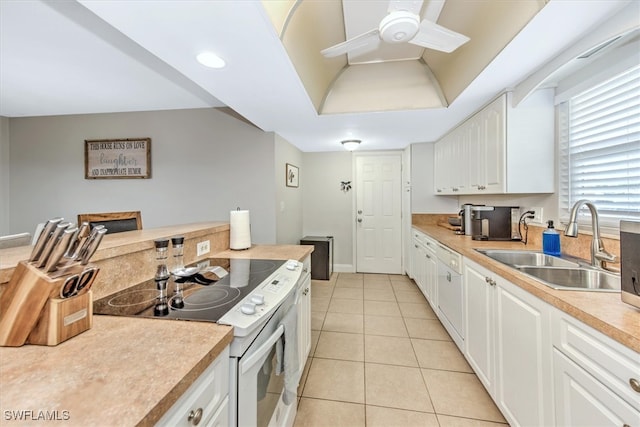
{"type": "Point", "coordinates": [351, 144]}
{"type": "Point", "coordinates": [211, 60]}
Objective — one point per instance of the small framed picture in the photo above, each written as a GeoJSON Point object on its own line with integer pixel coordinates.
{"type": "Point", "coordinates": [292, 177]}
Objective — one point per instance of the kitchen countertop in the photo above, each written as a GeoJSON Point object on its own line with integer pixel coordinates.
{"type": "Point", "coordinates": [603, 311]}
{"type": "Point", "coordinates": [123, 371]}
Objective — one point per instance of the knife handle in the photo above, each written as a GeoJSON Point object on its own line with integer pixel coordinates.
{"type": "Point", "coordinates": [93, 246]}
{"type": "Point", "coordinates": [43, 238]}
{"type": "Point", "coordinates": [51, 243]}
{"type": "Point", "coordinates": [60, 249]}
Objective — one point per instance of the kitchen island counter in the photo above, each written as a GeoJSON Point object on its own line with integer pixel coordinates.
{"type": "Point", "coordinates": [122, 371]}
{"type": "Point", "coordinates": [603, 311]}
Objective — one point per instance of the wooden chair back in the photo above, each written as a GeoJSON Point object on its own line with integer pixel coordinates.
{"type": "Point", "coordinates": [114, 222]}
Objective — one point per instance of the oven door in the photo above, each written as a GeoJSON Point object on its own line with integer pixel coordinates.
{"type": "Point", "coordinates": [259, 388]}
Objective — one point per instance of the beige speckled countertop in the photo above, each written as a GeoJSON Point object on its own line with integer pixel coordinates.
{"type": "Point", "coordinates": [603, 311]}
{"type": "Point", "coordinates": [297, 252]}
{"type": "Point", "coordinates": [122, 371]}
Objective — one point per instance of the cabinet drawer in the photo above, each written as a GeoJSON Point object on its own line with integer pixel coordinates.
{"type": "Point", "coordinates": [205, 394]}
{"type": "Point", "coordinates": [613, 364]}
{"type": "Point", "coordinates": [582, 400]}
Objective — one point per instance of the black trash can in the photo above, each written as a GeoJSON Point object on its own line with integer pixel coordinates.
{"type": "Point", "coordinates": [321, 257]}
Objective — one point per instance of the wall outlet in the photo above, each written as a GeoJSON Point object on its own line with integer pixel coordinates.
{"type": "Point", "coordinates": [203, 248]}
{"type": "Point", "coordinates": [537, 217]}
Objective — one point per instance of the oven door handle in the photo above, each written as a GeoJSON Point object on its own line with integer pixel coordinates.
{"type": "Point", "coordinates": [248, 363]}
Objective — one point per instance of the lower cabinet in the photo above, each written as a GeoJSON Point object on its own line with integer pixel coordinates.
{"type": "Point", "coordinates": [425, 266]}
{"type": "Point", "coordinates": [596, 379]}
{"type": "Point", "coordinates": [206, 402]}
{"type": "Point", "coordinates": [507, 342]}
{"type": "Point", "coordinates": [304, 314]}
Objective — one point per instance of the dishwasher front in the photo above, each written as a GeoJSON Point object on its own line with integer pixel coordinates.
{"type": "Point", "coordinates": [450, 293]}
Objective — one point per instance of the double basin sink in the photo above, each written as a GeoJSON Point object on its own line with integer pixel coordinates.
{"type": "Point", "coordinates": [558, 273]}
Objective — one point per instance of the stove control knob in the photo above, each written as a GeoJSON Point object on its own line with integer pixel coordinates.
{"type": "Point", "coordinates": [292, 265]}
{"type": "Point", "coordinates": [248, 308]}
{"type": "Point", "coordinates": [257, 299]}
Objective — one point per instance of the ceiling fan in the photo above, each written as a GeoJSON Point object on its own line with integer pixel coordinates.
{"type": "Point", "coordinates": [402, 24]}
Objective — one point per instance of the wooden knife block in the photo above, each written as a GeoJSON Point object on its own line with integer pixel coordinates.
{"type": "Point", "coordinates": [30, 308]}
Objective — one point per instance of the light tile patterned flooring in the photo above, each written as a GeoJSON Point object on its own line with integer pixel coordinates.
{"type": "Point", "coordinates": [380, 357]}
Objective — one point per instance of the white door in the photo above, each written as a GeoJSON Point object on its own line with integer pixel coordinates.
{"type": "Point", "coordinates": [378, 213]}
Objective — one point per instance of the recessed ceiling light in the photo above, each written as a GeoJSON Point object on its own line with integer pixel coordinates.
{"type": "Point", "coordinates": [211, 60]}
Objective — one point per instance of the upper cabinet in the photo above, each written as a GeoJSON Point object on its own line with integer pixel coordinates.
{"type": "Point", "coordinates": [500, 149]}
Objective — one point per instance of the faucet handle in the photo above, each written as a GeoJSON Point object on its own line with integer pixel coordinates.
{"type": "Point", "coordinates": [603, 255]}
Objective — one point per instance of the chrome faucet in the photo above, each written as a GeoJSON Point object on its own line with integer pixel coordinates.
{"type": "Point", "coordinates": [598, 254]}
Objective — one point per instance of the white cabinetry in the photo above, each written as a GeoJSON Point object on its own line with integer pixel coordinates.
{"type": "Point", "coordinates": [507, 344]}
{"type": "Point", "coordinates": [206, 402]}
{"type": "Point", "coordinates": [425, 267]}
{"type": "Point", "coordinates": [304, 313]}
{"type": "Point", "coordinates": [500, 149]}
{"type": "Point", "coordinates": [597, 380]}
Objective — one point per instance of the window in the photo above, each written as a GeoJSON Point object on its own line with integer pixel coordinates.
{"type": "Point", "coordinates": [600, 150]}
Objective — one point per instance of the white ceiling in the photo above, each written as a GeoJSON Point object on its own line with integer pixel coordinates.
{"type": "Point", "coordinates": [111, 56]}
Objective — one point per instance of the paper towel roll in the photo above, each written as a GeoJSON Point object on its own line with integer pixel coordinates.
{"type": "Point", "coordinates": [240, 234]}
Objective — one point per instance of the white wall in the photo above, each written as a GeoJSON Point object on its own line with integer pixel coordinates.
{"type": "Point", "coordinates": [288, 199]}
{"type": "Point", "coordinates": [423, 198]}
{"type": "Point", "coordinates": [4, 176]}
{"type": "Point", "coordinates": [327, 211]}
{"type": "Point", "coordinates": [204, 164]}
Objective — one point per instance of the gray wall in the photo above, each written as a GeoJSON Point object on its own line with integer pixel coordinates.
{"type": "Point", "coordinates": [288, 199]}
{"type": "Point", "coordinates": [327, 211]}
{"type": "Point", "coordinates": [204, 164]}
{"type": "Point", "coordinates": [4, 176]}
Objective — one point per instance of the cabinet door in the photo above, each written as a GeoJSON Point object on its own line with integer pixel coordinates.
{"type": "Point", "coordinates": [493, 118]}
{"type": "Point", "coordinates": [476, 154]}
{"type": "Point", "coordinates": [441, 168]}
{"type": "Point", "coordinates": [581, 400]}
{"type": "Point", "coordinates": [304, 321]}
{"type": "Point", "coordinates": [431, 278]}
{"type": "Point", "coordinates": [479, 349]}
{"type": "Point", "coordinates": [523, 356]}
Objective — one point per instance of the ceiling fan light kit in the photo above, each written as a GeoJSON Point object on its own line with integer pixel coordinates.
{"type": "Point", "coordinates": [399, 27]}
{"type": "Point", "coordinates": [351, 144]}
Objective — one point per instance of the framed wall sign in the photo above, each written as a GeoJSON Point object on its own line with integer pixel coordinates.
{"type": "Point", "coordinates": [117, 158]}
{"type": "Point", "coordinates": [292, 178]}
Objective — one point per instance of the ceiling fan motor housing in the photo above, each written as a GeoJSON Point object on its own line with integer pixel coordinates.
{"type": "Point", "coordinates": [399, 26]}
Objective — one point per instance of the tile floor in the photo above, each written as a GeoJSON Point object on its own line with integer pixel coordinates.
{"type": "Point", "coordinates": [380, 357]}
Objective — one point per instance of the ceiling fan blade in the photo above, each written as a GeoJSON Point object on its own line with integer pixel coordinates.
{"type": "Point", "coordinates": [368, 39]}
{"type": "Point", "coordinates": [413, 6]}
{"type": "Point", "coordinates": [437, 37]}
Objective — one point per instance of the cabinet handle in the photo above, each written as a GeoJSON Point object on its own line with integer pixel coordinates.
{"type": "Point", "coordinates": [195, 417]}
{"type": "Point", "coordinates": [305, 269]}
{"type": "Point", "coordinates": [427, 255]}
{"type": "Point", "coordinates": [305, 292]}
{"type": "Point", "coordinates": [416, 246]}
{"type": "Point", "coordinates": [635, 384]}
{"type": "Point", "coordinates": [481, 187]}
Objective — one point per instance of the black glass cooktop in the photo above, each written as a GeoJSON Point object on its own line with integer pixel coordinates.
{"type": "Point", "coordinates": [203, 296]}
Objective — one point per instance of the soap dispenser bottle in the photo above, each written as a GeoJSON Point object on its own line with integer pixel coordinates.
{"type": "Point", "coordinates": [551, 240]}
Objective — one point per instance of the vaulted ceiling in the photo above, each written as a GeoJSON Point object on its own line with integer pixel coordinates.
{"type": "Point", "coordinates": [87, 56]}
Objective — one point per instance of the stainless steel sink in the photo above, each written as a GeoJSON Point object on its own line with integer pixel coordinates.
{"type": "Point", "coordinates": [526, 258]}
{"type": "Point", "coordinates": [558, 273]}
{"type": "Point", "coordinates": [582, 278]}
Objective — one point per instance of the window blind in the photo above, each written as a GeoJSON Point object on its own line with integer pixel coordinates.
{"type": "Point", "coordinates": [599, 139]}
